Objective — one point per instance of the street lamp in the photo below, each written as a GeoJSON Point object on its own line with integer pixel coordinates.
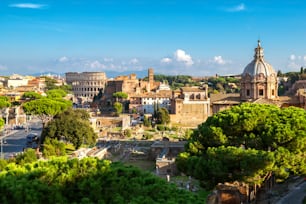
{"type": "Point", "coordinates": [1, 148]}
{"type": "Point", "coordinates": [1, 141]}
{"type": "Point", "coordinates": [3, 133]}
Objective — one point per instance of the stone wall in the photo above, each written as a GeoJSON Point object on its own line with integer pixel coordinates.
{"type": "Point", "coordinates": [190, 115]}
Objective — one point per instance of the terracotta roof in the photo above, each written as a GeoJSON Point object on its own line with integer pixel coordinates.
{"type": "Point", "coordinates": [224, 97]}
{"type": "Point", "coordinates": [192, 89]}
{"type": "Point", "coordinates": [160, 94]}
{"type": "Point", "coordinates": [230, 99]}
{"type": "Point", "coordinates": [268, 101]}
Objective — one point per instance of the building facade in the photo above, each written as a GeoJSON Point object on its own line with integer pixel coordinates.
{"type": "Point", "coordinates": [258, 85]}
{"type": "Point", "coordinates": [146, 102]}
{"type": "Point", "coordinates": [135, 88]}
{"type": "Point", "coordinates": [190, 106]}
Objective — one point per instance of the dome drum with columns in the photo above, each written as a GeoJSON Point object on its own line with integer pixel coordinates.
{"type": "Point", "coordinates": [258, 80]}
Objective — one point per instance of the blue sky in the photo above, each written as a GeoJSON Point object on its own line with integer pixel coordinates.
{"type": "Point", "coordinates": [194, 37]}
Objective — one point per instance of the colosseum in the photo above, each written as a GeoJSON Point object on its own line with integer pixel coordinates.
{"type": "Point", "coordinates": [86, 84]}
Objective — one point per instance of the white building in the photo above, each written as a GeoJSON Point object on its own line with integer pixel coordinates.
{"type": "Point", "coordinates": [15, 81]}
{"type": "Point", "coordinates": [147, 102]}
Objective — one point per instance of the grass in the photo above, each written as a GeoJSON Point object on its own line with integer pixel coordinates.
{"type": "Point", "coordinates": [142, 164]}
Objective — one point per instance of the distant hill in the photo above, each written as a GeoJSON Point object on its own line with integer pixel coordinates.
{"type": "Point", "coordinates": [109, 74]}
{"type": "Point", "coordinates": [139, 74]}
{"type": "Point", "coordinates": [48, 74]}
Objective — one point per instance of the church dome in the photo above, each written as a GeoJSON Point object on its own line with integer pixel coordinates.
{"type": "Point", "coordinates": [258, 65]}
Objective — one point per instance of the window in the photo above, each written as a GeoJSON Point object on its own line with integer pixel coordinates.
{"type": "Point", "coordinates": [261, 92]}
{"type": "Point", "coordinates": [272, 92]}
{"type": "Point", "coordinates": [248, 92]}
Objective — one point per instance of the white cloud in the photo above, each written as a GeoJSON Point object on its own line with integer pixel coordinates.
{"type": "Point", "coordinates": [219, 60]}
{"type": "Point", "coordinates": [104, 64]}
{"type": "Point", "coordinates": [240, 7]}
{"type": "Point", "coordinates": [292, 57]}
{"type": "Point", "coordinates": [63, 59]}
{"type": "Point", "coordinates": [108, 59]}
{"type": "Point", "coordinates": [96, 64]}
{"type": "Point", "coordinates": [28, 5]}
{"type": "Point", "coordinates": [295, 62]}
{"type": "Point", "coordinates": [166, 60]}
{"type": "Point", "coordinates": [181, 56]}
{"type": "Point", "coordinates": [134, 61]}
{"type": "Point", "coordinates": [292, 65]}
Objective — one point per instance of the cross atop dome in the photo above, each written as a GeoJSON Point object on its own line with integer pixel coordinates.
{"type": "Point", "coordinates": [258, 41]}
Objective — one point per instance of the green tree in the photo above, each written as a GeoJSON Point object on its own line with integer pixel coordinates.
{"type": "Point", "coordinates": [263, 128]}
{"type": "Point", "coordinates": [45, 108]}
{"type": "Point", "coordinates": [26, 157]}
{"type": "Point", "coordinates": [187, 134]}
{"type": "Point", "coordinates": [279, 73]}
{"type": "Point", "coordinates": [219, 87]}
{"type": "Point", "coordinates": [175, 82]}
{"type": "Point", "coordinates": [146, 121]}
{"type": "Point", "coordinates": [98, 97]}
{"type": "Point", "coordinates": [4, 102]}
{"type": "Point", "coordinates": [67, 88]}
{"type": "Point", "coordinates": [1, 123]}
{"type": "Point", "coordinates": [163, 116]}
{"type": "Point", "coordinates": [3, 163]}
{"type": "Point", "coordinates": [31, 95]}
{"type": "Point", "coordinates": [118, 108]}
{"type": "Point", "coordinates": [156, 108]}
{"type": "Point", "coordinates": [56, 93]}
{"type": "Point", "coordinates": [293, 76]}
{"type": "Point", "coordinates": [50, 83]}
{"type": "Point", "coordinates": [220, 164]}
{"type": "Point", "coordinates": [53, 147]}
{"type": "Point", "coordinates": [127, 132]}
{"type": "Point", "coordinates": [120, 95]}
{"type": "Point", "coordinates": [89, 180]}
{"type": "Point", "coordinates": [73, 126]}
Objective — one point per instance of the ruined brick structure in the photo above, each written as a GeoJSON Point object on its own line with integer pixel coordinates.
{"type": "Point", "coordinates": [164, 154]}
{"type": "Point", "coordinates": [102, 125]}
{"type": "Point", "coordinates": [129, 85]}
